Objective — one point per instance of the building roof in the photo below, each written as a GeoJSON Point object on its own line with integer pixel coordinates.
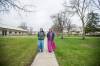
{"type": "Point", "coordinates": [11, 27]}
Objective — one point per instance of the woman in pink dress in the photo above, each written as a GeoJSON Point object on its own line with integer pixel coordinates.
{"type": "Point", "coordinates": [50, 40]}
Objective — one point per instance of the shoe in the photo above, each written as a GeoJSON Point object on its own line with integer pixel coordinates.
{"type": "Point", "coordinates": [50, 51]}
{"type": "Point", "coordinates": [41, 50]}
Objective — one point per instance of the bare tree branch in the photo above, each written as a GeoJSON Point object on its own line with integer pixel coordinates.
{"type": "Point", "coordinates": [81, 7]}
{"type": "Point", "coordinates": [96, 3]}
{"type": "Point", "coordinates": [6, 5]}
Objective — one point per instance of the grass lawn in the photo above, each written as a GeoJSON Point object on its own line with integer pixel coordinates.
{"type": "Point", "coordinates": [76, 52]}
{"type": "Point", "coordinates": [17, 51]}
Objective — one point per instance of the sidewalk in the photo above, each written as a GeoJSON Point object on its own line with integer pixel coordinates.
{"type": "Point", "coordinates": [45, 58]}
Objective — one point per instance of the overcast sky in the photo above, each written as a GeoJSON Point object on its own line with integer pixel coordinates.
{"type": "Point", "coordinates": [39, 18]}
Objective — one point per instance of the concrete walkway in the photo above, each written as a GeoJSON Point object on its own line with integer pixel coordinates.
{"type": "Point", "coordinates": [45, 58]}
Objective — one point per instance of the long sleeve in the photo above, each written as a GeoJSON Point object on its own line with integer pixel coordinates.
{"type": "Point", "coordinates": [38, 34]}
{"type": "Point", "coordinates": [47, 35]}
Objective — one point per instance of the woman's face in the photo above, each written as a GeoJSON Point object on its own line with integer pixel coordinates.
{"type": "Point", "coordinates": [41, 29]}
{"type": "Point", "coordinates": [50, 30]}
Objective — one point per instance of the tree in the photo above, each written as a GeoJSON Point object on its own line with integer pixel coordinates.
{"type": "Point", "coordinates": [59, 23]}
{"type": "Point", "coordinates": [80, 7]}
{"type": "Point", "coordinates": [62, 22]}
{"type": "Point", "coordinates": [96, 3]}
{"type": "Point", "coordinates": [56, 27]}
{"type": "Point", "coordinates": [68, 26]}
{"type": "Point", "coordinates": [92, 23]}
{"type": "Point", "coordinates": [68, 15]}
{"type": "Point", "coordinates": [6, 5]}
{"type": "Point", "coordinates": [23, 25]}
{"type": "Point", "coordinates": [30, 30]}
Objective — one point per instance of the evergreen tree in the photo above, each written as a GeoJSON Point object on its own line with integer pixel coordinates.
{"type": "Point", "coordinates": [93, 20]}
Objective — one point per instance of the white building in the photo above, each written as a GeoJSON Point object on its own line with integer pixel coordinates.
{"type": "Point", "coordinates": [6, 30]}
{"type": "Point", "coordinates": [74, 31]}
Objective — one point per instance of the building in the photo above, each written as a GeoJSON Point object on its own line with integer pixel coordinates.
{"type": "Point", "coordinates": [74, 31]}
{"type": "Point", "coordinates": [6, 30]}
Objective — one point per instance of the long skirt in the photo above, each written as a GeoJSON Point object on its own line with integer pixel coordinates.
{"type": "Point", "coordinates": [51, 46]}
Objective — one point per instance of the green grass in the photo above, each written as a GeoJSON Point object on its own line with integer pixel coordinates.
{"type": "Point", "coordinates": [76, 52]}
{"type": "Point", "coordinates": [17, 51]}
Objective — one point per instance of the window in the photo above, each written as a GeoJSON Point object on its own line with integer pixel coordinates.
{"type": "Point", "coordinates": [15, 32]}
{"type": "Point", "coordinates": [10, 32]}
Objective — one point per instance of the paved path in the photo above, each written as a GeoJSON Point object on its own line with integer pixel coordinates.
{"type": "Point", "coordinates": [45, 58]}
